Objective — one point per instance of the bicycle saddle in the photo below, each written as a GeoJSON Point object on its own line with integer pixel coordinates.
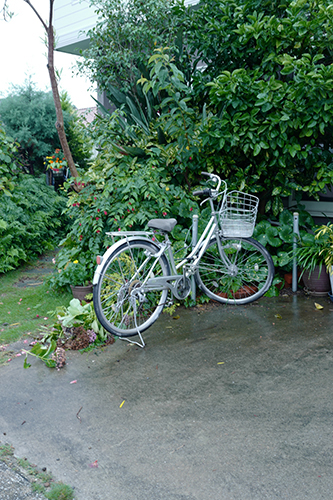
{"type": "Point", "coordinates": [165, 225]}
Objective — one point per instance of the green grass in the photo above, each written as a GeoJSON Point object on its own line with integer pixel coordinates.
{"type": "Point", "coordinates": [25, 301]}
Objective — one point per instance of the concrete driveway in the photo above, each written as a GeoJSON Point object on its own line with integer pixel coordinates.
{"type": "Point", "coordinates": [223, 403]}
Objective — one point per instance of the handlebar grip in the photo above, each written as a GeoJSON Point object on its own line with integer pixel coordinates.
{"type": "Point", "coordinates": [205, 173]}
{"type": "Point", "coordinates": [204, 192]}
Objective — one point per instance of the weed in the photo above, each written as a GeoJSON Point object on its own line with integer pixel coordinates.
{"type": "Point", "coordinates": [60, 492]}
{"type": "Point", "coordinates": [38, 488]}
{"type": "Point", "coordinates": [6, 450]}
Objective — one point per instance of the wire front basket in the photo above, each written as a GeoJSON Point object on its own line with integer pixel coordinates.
{"type": "Point", "coordinates": [238, 214]}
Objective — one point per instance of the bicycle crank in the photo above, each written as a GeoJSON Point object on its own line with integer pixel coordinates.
{"type": "Point", "coordinates": [182, 288]}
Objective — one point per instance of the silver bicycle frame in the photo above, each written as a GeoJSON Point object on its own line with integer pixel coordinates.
{"type": "Point", "coordinates": [191, 261]}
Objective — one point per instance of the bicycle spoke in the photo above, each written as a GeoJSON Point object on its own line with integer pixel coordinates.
{"type": "Point", "coordinates": [123, 302]}
{"type": "Point", "coordinates": [243, 275]}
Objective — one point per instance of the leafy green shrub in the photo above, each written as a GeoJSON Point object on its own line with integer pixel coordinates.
{"type": "Point", "coordinates": [29, 116]}
{"type": "Point", "coordinates": [268, 70]}
{"type": "Point", "coordinates": [277, 235]}
{"type": "Point", "coordinates": [30, 221]}
{"type": "Point", "coordinates": [125, 36]}
{"type": "Point", "coordinates": [119, 193]}
{"type": "Point", "coordinates": [8, 168]}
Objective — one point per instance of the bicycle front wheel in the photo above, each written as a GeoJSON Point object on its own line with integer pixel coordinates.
{"type": "Point", "coordinates": [243, 275]}
{"type": "Point", "coordinates": [122, 303]}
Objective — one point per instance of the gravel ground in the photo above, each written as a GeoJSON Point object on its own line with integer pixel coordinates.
{"type": "Point", "coordinates": [15, 486]}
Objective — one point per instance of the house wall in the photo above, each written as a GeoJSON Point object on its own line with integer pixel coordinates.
{"type": "Point", "coordinates": [71, 19]}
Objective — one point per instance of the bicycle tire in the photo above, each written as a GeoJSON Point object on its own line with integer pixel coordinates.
{"type": "Point", "coordinates": [253, 271]}
{"type": "Point", "coordinates": [113, 293]}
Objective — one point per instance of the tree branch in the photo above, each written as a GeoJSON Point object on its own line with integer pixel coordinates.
{"type": "Point", "coordinates": [37, 14]}
{"type": "Point", "coordinates": [5, 12]}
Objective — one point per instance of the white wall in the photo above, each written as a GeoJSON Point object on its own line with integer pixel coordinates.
{"type": "Point", "coordinates": [71, 19]}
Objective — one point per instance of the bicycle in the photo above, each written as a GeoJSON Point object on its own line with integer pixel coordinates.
{"type": "Point", "coordinates": [133, 278]}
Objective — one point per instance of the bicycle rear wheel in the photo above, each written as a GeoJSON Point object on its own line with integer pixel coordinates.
{"type": "Point", "coordinates": [246, 277]}
{"type": "Point", "coordinates": [122, 304]}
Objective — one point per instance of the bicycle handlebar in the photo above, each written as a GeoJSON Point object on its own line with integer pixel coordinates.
{"type": "Point", "coordinates": [204, 192]}
{"type": "Point", "coordinates": [210, 193]}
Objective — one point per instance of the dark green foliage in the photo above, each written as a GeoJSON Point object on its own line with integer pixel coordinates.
{"type": "Point", "coordinates": [277, 235]}
{"type": "Point", "coordinates": [228, 35]}
{"type": "Point", "coordinates": [268, 69]}
{"type": "Point", "coordinates": [260, 110]}
{"type": "Point", "coordinates": [29, 116]}
{"type": "Point", "coordinates": [77, 133]}
{"type": "Point", "coordinates": [30, 221]}
{"type": "Point", "coordinates": [8, 167]}
{"type": "Point", "coordinates": [131, 193]}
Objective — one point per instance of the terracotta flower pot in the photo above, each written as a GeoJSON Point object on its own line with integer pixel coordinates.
{"type": "Point", "coordinates": [288, 279]}
{"type": "Point", "coordinates": [80, 292]}
{"type": "Point", "coordinates": [241, 293]}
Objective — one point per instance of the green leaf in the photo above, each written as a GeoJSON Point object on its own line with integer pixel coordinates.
{"type": "Point", "coordinates": [26, 364]}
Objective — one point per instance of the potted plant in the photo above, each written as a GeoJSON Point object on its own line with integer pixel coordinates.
{"type": "Point", "coordinates": [74, 272]}
{"type": "Point", "coordinates": [326, 231]}
{"type": "Point", "coordinates": [311, 256]}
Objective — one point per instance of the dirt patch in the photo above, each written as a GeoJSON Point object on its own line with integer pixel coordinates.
{"type": "Point", "coordinates": [78, 338]}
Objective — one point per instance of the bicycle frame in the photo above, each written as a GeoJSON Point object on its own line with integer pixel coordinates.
{"type": "Point", "coordinates": [189, 263]}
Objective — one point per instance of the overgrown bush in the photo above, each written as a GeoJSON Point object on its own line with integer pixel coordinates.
{"type": "Point", "coordinates": [267, 81]}
{"type": "Point", "coordinates": [265, 89]}
{"type": "Point", "coordinates": [8, 167]}
{"type": "Point", "coordinates": [30, 221]}
{"type": "Point", "coordinates": [119, 193]}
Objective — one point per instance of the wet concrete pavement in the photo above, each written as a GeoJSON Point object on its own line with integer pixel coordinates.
{"type": "Point", "coordinates": [223, 403]}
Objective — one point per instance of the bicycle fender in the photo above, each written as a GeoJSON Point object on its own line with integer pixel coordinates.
{"type": "Point", "coordinates": [113, 248]}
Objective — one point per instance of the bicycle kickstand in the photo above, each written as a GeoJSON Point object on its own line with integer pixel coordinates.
{"type": "Point", "coordinates": [142, 345]}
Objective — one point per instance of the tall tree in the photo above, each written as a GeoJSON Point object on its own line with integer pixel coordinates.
{"type": "Point", "coordinates": [49, 30]}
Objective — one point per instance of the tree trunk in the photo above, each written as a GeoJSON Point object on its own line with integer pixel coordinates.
{"type": "Point", "coordinates": [54, 85]}
{"type": "Point", "coordinates": [57, 103]}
